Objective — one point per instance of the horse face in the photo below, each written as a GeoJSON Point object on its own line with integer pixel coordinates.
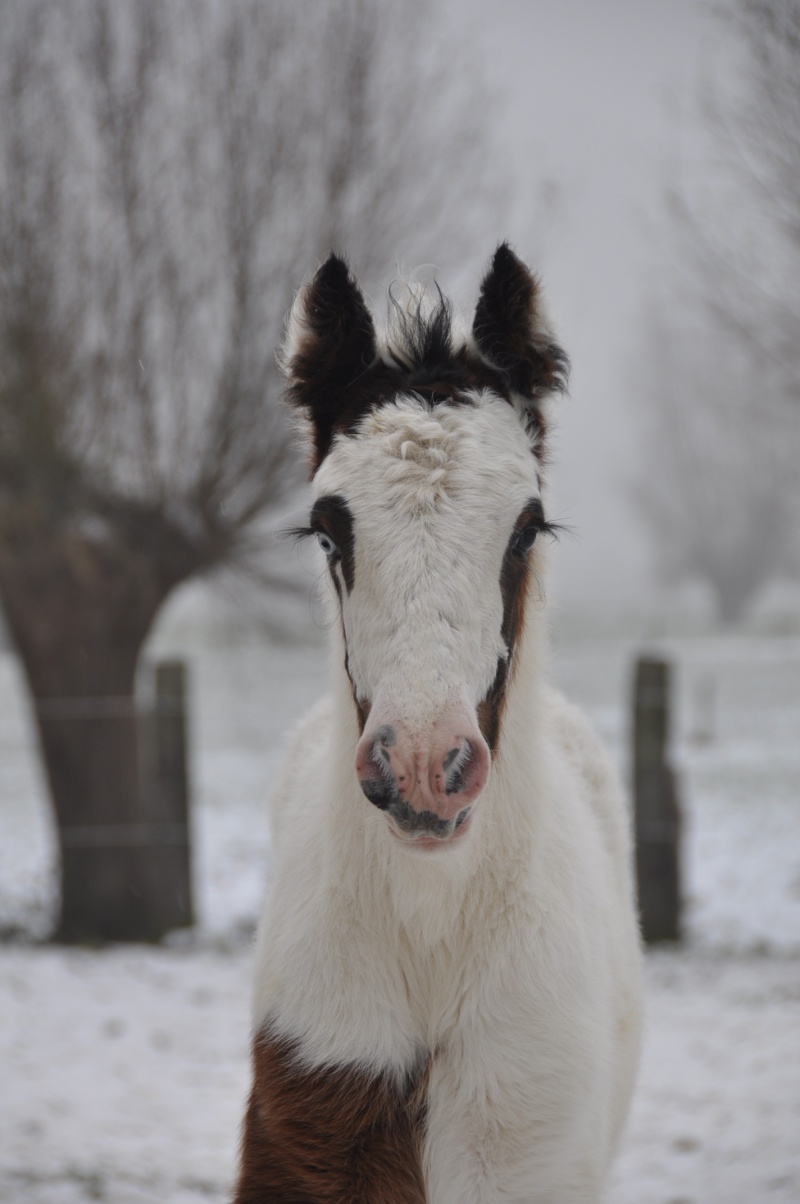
{"type": "Point", "coordinates": [427, 508]}
{"type": "Point", "coordinates": [428, 520]}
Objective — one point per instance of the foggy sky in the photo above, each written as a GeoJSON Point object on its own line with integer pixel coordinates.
{"type": "Point", "coordinates": [595, 102]}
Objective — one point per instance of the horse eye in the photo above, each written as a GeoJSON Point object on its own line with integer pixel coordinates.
{"type": "Point", "coordinates": [524, 541]}
{"type": "Point", "coordinates": [326, 543]}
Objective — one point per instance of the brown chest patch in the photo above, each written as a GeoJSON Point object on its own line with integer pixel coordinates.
{"type": "Point", "coordinates": [330, 1135]}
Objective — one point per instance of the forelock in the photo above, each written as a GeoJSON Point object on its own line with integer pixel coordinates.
{"type": "Point", "coordinates": [418, 337]}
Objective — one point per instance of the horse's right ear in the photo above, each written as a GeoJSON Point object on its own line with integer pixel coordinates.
{"type": "Point", "coordinates": [330, 342]}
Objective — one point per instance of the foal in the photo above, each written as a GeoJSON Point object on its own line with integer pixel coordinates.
{"type": "Point", "coordinates": [447, 988]}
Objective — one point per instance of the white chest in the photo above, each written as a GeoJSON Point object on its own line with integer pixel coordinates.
{"type": "Point", "coordinates": [517, 1082]}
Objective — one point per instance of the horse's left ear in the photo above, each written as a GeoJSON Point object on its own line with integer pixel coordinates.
{"type": "Point", "coordinates": [512, 333]}
{"type": "Point", "coordinates": [330, 343]}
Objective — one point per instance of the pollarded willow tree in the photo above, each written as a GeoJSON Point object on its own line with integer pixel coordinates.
{"type": "Point", "coordinates": [721, 490]}
{"type": "Point", "coordinates": [169, 171]}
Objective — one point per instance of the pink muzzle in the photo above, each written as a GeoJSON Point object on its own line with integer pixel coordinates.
{"type": "Point", "coordinates": [425, 782]}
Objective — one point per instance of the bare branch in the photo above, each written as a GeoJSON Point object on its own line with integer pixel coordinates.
{"type": "Point", "coordinates": [173, 168]}
{"type": "Point", "coordinates": [722, 495]}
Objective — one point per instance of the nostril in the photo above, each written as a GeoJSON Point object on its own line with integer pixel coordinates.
{"type": "Point", "coordinates": [373, 759]}
{"type": "Point", "coordinates": [380, 793]}
{"type": "Point", "coordinates": [457, 765]}
{"type": "Point", "coordinates": [450, 758]}
{"type": "Point", "coordinates": [374, 768]}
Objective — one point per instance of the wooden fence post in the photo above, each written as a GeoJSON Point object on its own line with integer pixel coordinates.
{"type": "Point", "coordinates": [166, 788]}
{"type": "Point", "coordinates": [656, 810]}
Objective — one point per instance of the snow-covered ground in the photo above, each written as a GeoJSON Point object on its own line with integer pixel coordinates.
{"type": "Point", "coordinates": [124, 1072]}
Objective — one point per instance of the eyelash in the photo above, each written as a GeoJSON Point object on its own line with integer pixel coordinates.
{"type": "Point", "coordinates": [542, 527]}
{"type": "Point", "coordinates": [298, 533]}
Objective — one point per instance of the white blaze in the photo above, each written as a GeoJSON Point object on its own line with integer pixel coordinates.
{"type": "Point", "coordinates": [434, 496]}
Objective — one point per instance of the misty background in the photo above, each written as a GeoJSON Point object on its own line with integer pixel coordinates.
{"type": "Point", "coordinates": [598, 104]}
{"type": "Point", "coordinates": [615, 146]}
{"type": "Point", "coordinates": [170, 172]}
{"type": "Point", "coordinates": [607, 114]}
{"type": "Point", "coordinates": [602, 127]}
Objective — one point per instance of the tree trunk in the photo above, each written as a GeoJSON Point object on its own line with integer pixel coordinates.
{"type": "Point", "coordinates": [79, 614]}
{"type": "Point", "coordinates": [91, 751]}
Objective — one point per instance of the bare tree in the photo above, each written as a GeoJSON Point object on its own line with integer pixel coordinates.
{"type": "Point", "coordinates": [756, 124]}
{"type": "Point", "coordinates": [722, 492]}
{"type": "Point", "coordinates": [169, 169]}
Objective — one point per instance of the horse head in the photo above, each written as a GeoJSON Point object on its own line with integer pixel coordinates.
{"type": "Point", "coordinates": [428, 445]}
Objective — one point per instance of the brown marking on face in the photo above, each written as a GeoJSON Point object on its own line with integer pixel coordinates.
{"type": "Point", "coordinates": [331, 516]}
{"type": "Point", "coordinates": [329, 1135]}
{"type": "Point", "coordinates": [490, 709]}
{"type": "Point", "coordinates": [514, 580]}
{"type": "Point", "coordinates": [362, 708]}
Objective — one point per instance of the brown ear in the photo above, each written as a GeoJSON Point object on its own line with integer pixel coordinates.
{"type": "Point", "coordinates": [330, 343]}
{"type": "Point", "coordinates": [511, 332]}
